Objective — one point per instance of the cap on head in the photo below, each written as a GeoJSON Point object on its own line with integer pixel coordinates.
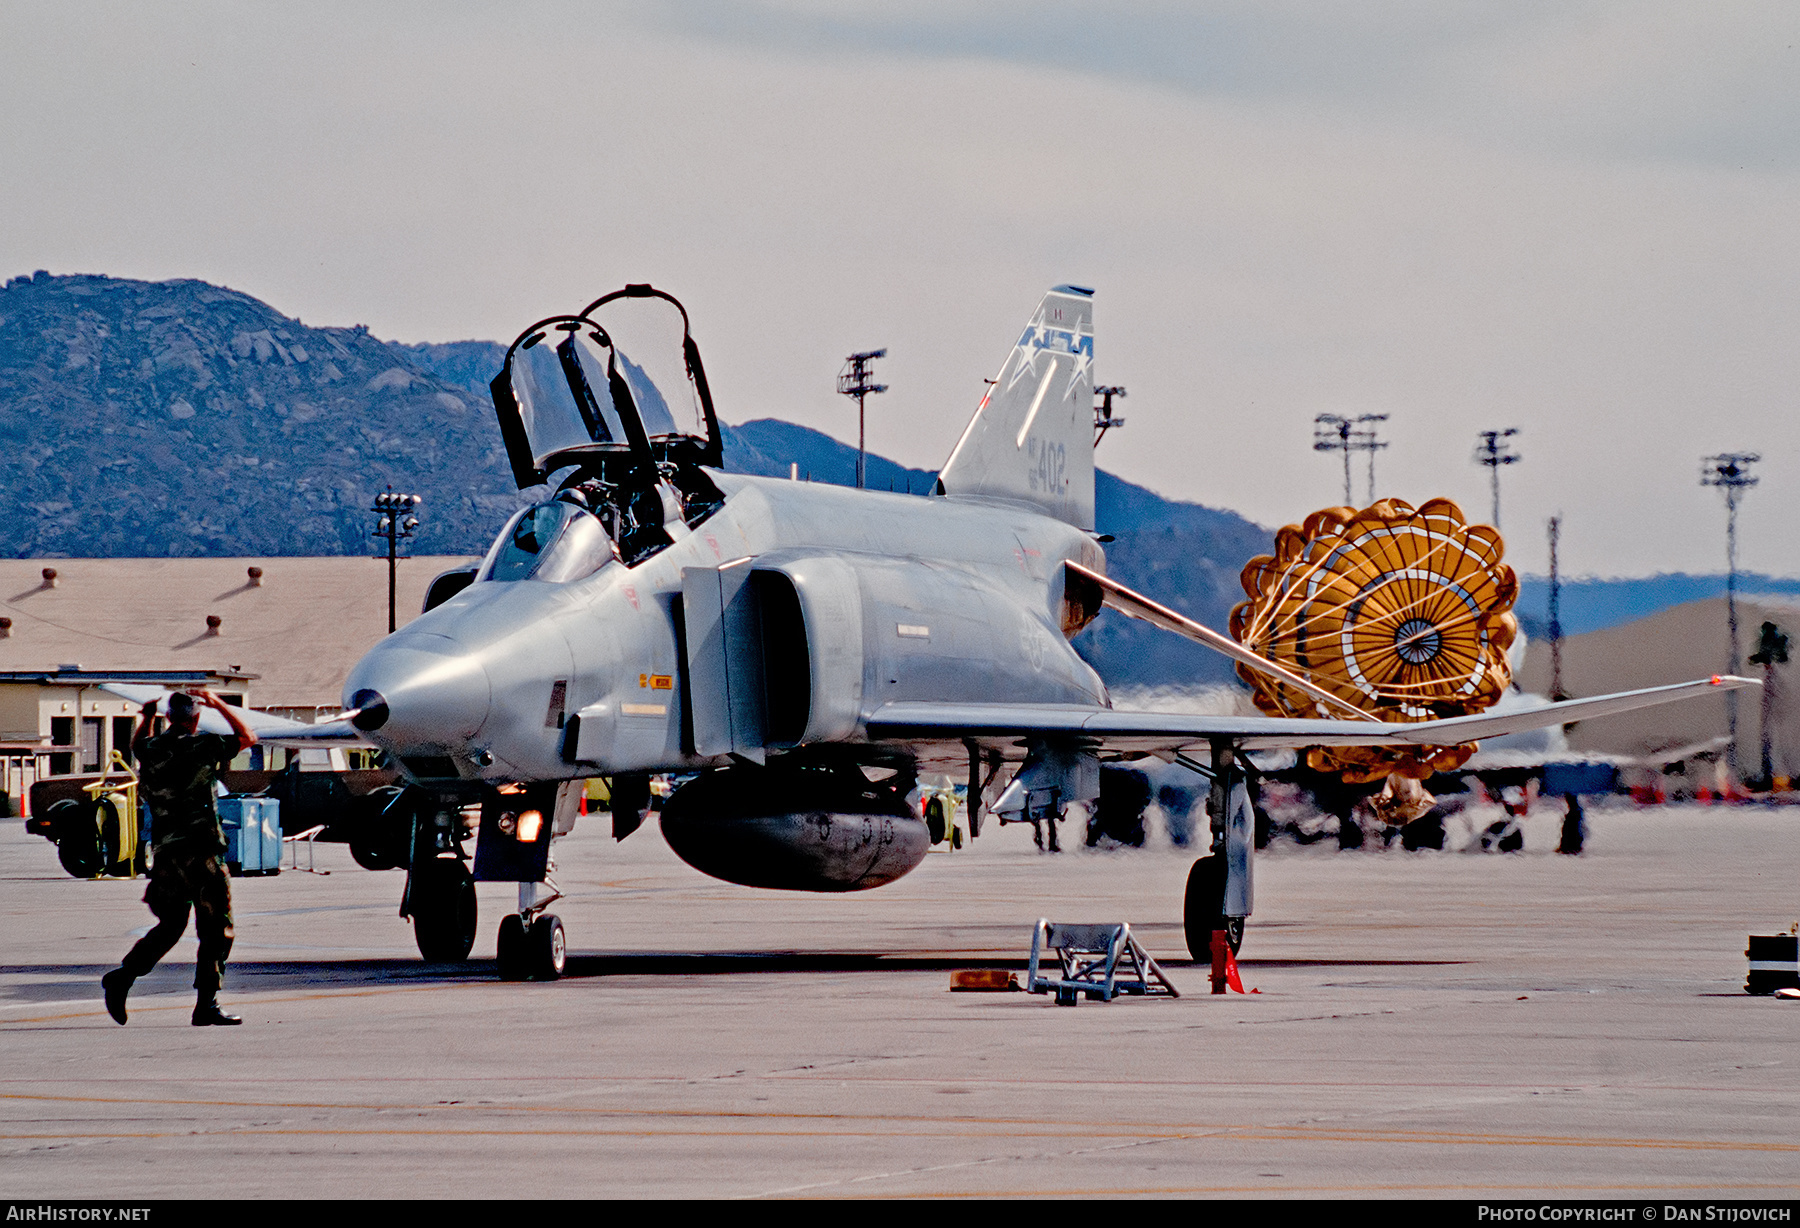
{"type": "Point", "coordinates": [182, 706]}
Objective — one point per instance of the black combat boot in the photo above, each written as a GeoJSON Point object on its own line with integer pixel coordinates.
{"type": "Point", "coordinates": [207, 1014]}
{"type": "Point", "coordinates": [115, 985]}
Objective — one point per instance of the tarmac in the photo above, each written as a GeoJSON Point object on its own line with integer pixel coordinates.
{"type": "Point", "coordinates": [1458, 1025]}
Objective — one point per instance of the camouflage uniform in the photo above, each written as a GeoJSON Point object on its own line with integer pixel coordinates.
{"type": "Point", "coordinates": [176, 776]}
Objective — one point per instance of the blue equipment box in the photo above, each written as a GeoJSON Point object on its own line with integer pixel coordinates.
{"type": "Point", "coordinates": [1564, 778]}
{"type": "Point", "coordinates": [252, 828]}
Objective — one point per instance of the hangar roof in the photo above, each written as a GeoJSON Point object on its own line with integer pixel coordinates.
{"type": "Point", "coordinates": [298, 630]}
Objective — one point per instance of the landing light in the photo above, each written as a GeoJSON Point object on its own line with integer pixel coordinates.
{"type": "Point", "coordinates": [530, 823]}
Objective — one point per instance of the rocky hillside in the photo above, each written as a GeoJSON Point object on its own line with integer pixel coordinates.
{"type": "Point", "coordinates": [183, 419]}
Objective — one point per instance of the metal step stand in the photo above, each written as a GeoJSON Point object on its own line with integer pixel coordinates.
{"type": "Point", "coordinates": [1100, 961]}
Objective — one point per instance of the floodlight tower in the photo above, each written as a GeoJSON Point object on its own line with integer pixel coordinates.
{"type": "Point", "coordinates": [1366, 440]}
{"type": "Point", "coordinates": [1104, 420]}
{"type": "Point", "coordinates": [853, 381]}
{"type": "Point", "coordinates": [1556, 634]}
{"type": "Point", "coordinates": [1730, 472]}
{"type": "Point", "coordinates": [1492, 450]}
{"type": "Point", "coordinates": [1335, 433]}
{"type": "Point", "coordinates": [396, 523]}
{"type": "Point", "coordinates": [1771, 650]}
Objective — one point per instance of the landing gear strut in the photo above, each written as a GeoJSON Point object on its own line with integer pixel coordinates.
{"type": "Point", "coordinates": [1219, 887]}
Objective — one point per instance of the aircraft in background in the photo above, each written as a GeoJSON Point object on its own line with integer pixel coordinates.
{"type": "Point", "coordinates": [800, 652]}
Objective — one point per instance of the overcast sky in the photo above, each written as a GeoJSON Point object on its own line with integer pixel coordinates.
{"type": "Point", "coordinates": [1578, 219]}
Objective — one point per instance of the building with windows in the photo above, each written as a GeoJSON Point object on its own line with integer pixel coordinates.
{"type": "Point", "coordinates": [276, 634]}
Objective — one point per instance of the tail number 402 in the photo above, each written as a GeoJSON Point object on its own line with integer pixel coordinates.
{"type": "Point", "coordinates": [1050, 462]}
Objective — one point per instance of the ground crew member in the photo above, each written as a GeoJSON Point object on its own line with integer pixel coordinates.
{"type": "Point", "coordinates": [176, 773]}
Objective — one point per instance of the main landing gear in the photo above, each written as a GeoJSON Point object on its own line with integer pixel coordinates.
{"type": "Point", "coordinates": [531, 945]}
{"type": "Point", "coordinates": [1219, 892]}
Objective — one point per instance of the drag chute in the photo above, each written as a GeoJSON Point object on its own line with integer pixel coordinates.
{"type": "Point", "coordinates": [1403, 612]}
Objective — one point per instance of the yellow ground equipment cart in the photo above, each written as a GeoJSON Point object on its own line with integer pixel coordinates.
{"type": "Point", "coordinates": [101, 836]}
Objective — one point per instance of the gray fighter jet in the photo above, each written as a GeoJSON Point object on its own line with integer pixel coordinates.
{"type": "Point", "coordinates": [799, 652]}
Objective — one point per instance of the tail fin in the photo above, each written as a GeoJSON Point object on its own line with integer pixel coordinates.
{"type": "Point", "coordinates": [1032, 436]}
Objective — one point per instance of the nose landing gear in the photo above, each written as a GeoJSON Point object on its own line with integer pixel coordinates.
{"type": "Point", "coordinates": [440, 891]}
{"type": "Point", "coordinates": [441, 900]}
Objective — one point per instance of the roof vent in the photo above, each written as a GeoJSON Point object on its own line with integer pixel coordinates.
{"type": "Point", "coordinates": [213, 623]}
{"type": "Point", "coordinates": [255, 574]}
{"type": "Point", "coordinates": [49, 577]}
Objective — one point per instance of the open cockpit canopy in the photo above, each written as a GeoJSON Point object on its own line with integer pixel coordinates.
{"type": "Point", "coordinates": [615, 388]}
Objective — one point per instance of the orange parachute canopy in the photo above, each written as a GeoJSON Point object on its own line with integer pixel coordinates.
{"type": "Point", "coordinates": [1404, 612]}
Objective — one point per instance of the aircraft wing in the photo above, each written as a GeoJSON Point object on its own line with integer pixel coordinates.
{"type": "Point", "coordinates": [267, 727]}
{"type": "Point", "coordinates": [1151, 732]}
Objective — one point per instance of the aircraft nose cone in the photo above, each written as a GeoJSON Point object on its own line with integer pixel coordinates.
{"type": "Point", "coordinates": [371, 710]}
{"type": "Point", "coordinates": [419, 692]}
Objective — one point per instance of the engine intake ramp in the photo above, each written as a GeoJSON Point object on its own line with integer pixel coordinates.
{"type": "Point", "coordinates": [1101, 961]}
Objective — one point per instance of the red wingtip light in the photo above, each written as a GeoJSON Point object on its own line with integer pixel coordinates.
{"type": "Point", "coordinates": [1717, 679]}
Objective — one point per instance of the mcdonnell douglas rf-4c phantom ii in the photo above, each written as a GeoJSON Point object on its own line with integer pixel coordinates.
{"type": "Point", "coordinates": [800, 651]}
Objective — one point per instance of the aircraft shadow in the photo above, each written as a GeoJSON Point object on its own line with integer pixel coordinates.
{"type": "Point", "coordinates": [74, 981]}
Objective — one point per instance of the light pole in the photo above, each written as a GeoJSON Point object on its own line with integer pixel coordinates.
{"type": "Point", "coordinates": [1491, 449]}
{"type": "Point", "coordinates": [1556, 635]}
{"type": "Point", "coordinates": [1104, 419]}
{"type": "Point", "coordinates": [1771, 650]}
{"type": "Point", "coordinates": [853, 381]}
{"type": "Point", "coordinates": [1730, 472]}
{"type": "Point", "coordinates": [395, 522]}
{"type": "Point", "coordinates": [1334, 433]}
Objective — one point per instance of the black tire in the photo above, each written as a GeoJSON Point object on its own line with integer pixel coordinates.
{"type": "Point", "coordinates": [379, 839]}
{"type": "Point", "coordinates": [1203, 907]}
{"type": "Point", "coordinates": [936, 824]}
{"type": "Point", "coordinates": [510, 953]}
{"type": "Point", "coordinates": [443, 911]}
{"type": "Point", "coordinates": [1424, 832]}
{"type": "Point", "coordinates": [109, 823]}
{"type": "Point", "coordinates": [369, 855]}
{"type": "Point", "coordinates": [77, 838]}
{"type": "Point", "coordinates": [548, 948]}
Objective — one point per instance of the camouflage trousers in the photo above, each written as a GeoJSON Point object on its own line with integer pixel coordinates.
{"type": "Point", "coordinates": [178, 881]}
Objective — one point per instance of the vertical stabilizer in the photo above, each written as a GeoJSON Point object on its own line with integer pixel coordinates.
{"type": "Point", "coordinates": [1032, 436]}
